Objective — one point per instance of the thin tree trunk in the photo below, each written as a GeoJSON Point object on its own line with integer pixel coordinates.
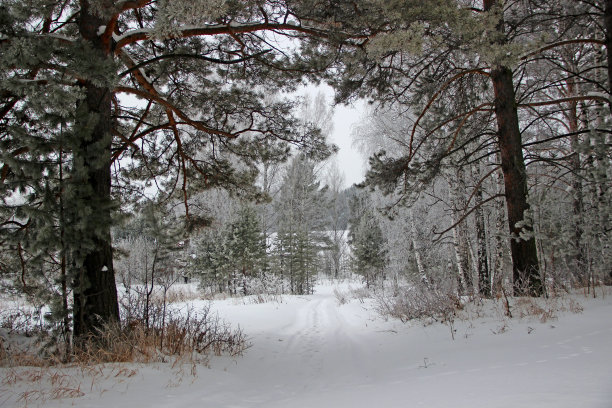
{"type": "Point", "coordinates": [500, 248]}
{"type": "Point", "coordinates": [460, 234]}
{"type": "Point", "coordinates": [577, 196]}
{"type": "Point", "coordinates": [482, 265]}
{"type": "Point", "coordinates": [417, 252]}
{"type": "Point", "coordinates": [95, 293]}
{"type": "Point", "coordinates": [63, 255]}
{"type": "Point", "coordinates": [608, 29]}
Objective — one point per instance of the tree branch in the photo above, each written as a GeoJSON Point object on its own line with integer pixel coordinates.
{"type": "Point", "coordinates": [435, 96]}
{"type": "Point", "coordinates": [193, 56]}
{"type": "Point", "coordinates": [138, 35]}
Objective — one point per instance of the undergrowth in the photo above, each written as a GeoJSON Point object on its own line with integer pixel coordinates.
{"type": "Point", "coordinates": [189, 335]}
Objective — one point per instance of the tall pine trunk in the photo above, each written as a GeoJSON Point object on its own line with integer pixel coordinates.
{"type": "Point", "coordinates": [525, 267]}
{"type": "Point", "coordinates": [95, 293]}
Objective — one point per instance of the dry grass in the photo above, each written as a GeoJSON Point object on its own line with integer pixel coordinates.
{"type": "Point", "coordinates": [32, 377]}
{"type": "Point", "coordinates": [189, 336]}
{"type": "Point", "coordinates": [26, 386]}
{"type": "Point", "coordinates": [545, 309]}
{"type": "Point", "coordinates": [182, 293]}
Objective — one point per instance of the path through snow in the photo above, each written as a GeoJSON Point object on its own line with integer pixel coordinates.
{"type": "Point", "coordinates": [311, 352]}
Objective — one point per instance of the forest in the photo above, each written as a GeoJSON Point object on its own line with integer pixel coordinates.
{"type": "Point", "coordinates": [150, 143]}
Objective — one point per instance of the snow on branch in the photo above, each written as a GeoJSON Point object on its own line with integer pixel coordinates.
{"type": "Point", "coordinates": [563, 43]}
{"type": "Point", "coordinates": [594, 96]}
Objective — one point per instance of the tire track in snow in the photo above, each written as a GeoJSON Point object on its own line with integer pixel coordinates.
{"type": "Point", "coordinates": [321, 344]}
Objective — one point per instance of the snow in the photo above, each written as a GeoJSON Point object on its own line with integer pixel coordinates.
{"type": "Point", "coordinates": [310, 351]}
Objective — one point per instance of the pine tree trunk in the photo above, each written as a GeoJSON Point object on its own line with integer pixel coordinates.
{"type": "Point", "coordinates": [525, 267]}
{"type": "Point", "coordinates": [95, 293]}
{"type": "Point", "coordinates": [526, 272]}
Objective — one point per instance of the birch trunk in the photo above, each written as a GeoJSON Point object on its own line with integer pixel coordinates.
{"type": "Point", "coordinates": [482, 264]}
{"type": "Point", "coordinates": [460, 242]}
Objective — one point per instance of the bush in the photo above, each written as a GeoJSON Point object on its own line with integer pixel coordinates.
{"type": "Point", "coordinates": [190, 335]}
{"type": "Point", "coordinates": [149, 336]}
{"type": "Point", "coordinates": [418, 302]}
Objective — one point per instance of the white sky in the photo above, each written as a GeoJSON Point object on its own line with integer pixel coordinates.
{"type": "Point", "coordinates": [349, 160]}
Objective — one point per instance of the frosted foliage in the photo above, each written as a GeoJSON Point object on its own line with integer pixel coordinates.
{"type": "Point", "coordinates": [383, 129]}
{"type": "Point", "coordinates": [409, 40]}
{"type": "Point", "coordinates": [137, 261]}
{"type": "Point", "coordinates": [318, 112]}
{"type": "Point", "coordinates": [174, 15]}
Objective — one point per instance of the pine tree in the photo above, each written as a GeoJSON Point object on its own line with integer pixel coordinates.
{"type": "Point", "coordinates": [200, 70]}
{"type": "Point", "coordinates": [301, 219]}
{"type": "Point", "coordinates": [465, 74]}
{"type": "Point", "coordinates": [245, 247]}
{"type": "Point", "coordinates": [368, 245]}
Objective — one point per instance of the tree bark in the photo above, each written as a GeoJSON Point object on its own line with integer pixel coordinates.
{"type": "Point", "coordinates": [608, 28]}
{"type": "Point", "coordinates": [417, 251]}
{"type": "Point", "coordinates": [460, 235]}
{"type": "Point", "coordinates": [500, 248]}
{"type": "Point", "coordinates": [95, 293]}
{"type": "Point", "coordinates": [577, 190]}
{"type": "Point", "coordinates": [526, 271]}
{"type": "Point", "coordinates": [525, 266]}
{"type": "Point", "coordinates": [482, 264]}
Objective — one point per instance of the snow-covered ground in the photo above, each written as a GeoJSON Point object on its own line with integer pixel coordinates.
{"type": "Point", "coordinates": [309, 351]}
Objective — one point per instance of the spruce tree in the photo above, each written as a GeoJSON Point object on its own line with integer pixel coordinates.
{"type": "Point", "coordinates": [245, 247]}
{"type": "Point", "coordinates": [301, 219]}
{"type": "Point", "coordinates": [368, 246]}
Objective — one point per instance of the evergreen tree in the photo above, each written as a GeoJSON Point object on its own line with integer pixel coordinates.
{"type": "Point", "coordinates": [301, 220]}
{"type": "Point", "coordinates": [245, 247]}
{"type": "Point", "coordinates": [199, 68]}
{"type": "Point", "coordinates": [462, 70]}
{"type": "Point", "coordinates": [368, 245]}
{"type": "Point", "coordinates": [211, 263]}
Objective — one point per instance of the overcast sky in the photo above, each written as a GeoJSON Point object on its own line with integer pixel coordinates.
{"type": "Point", "coordinates": [349, 160]}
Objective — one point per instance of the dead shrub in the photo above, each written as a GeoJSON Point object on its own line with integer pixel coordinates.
{"type": "Point", "coordinates": [546, 309]}
{"type": "Point", "coordinates": [189, 335]}
{"type": "Point", "coordinates": [419, 302]}
{"type": "Point", "coordinates": [340, 297]}
{"type": "Point", "coordinates": [422, 302]}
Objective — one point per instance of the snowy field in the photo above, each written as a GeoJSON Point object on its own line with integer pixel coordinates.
{"type": "Point", "coordinates": [310, 351]}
